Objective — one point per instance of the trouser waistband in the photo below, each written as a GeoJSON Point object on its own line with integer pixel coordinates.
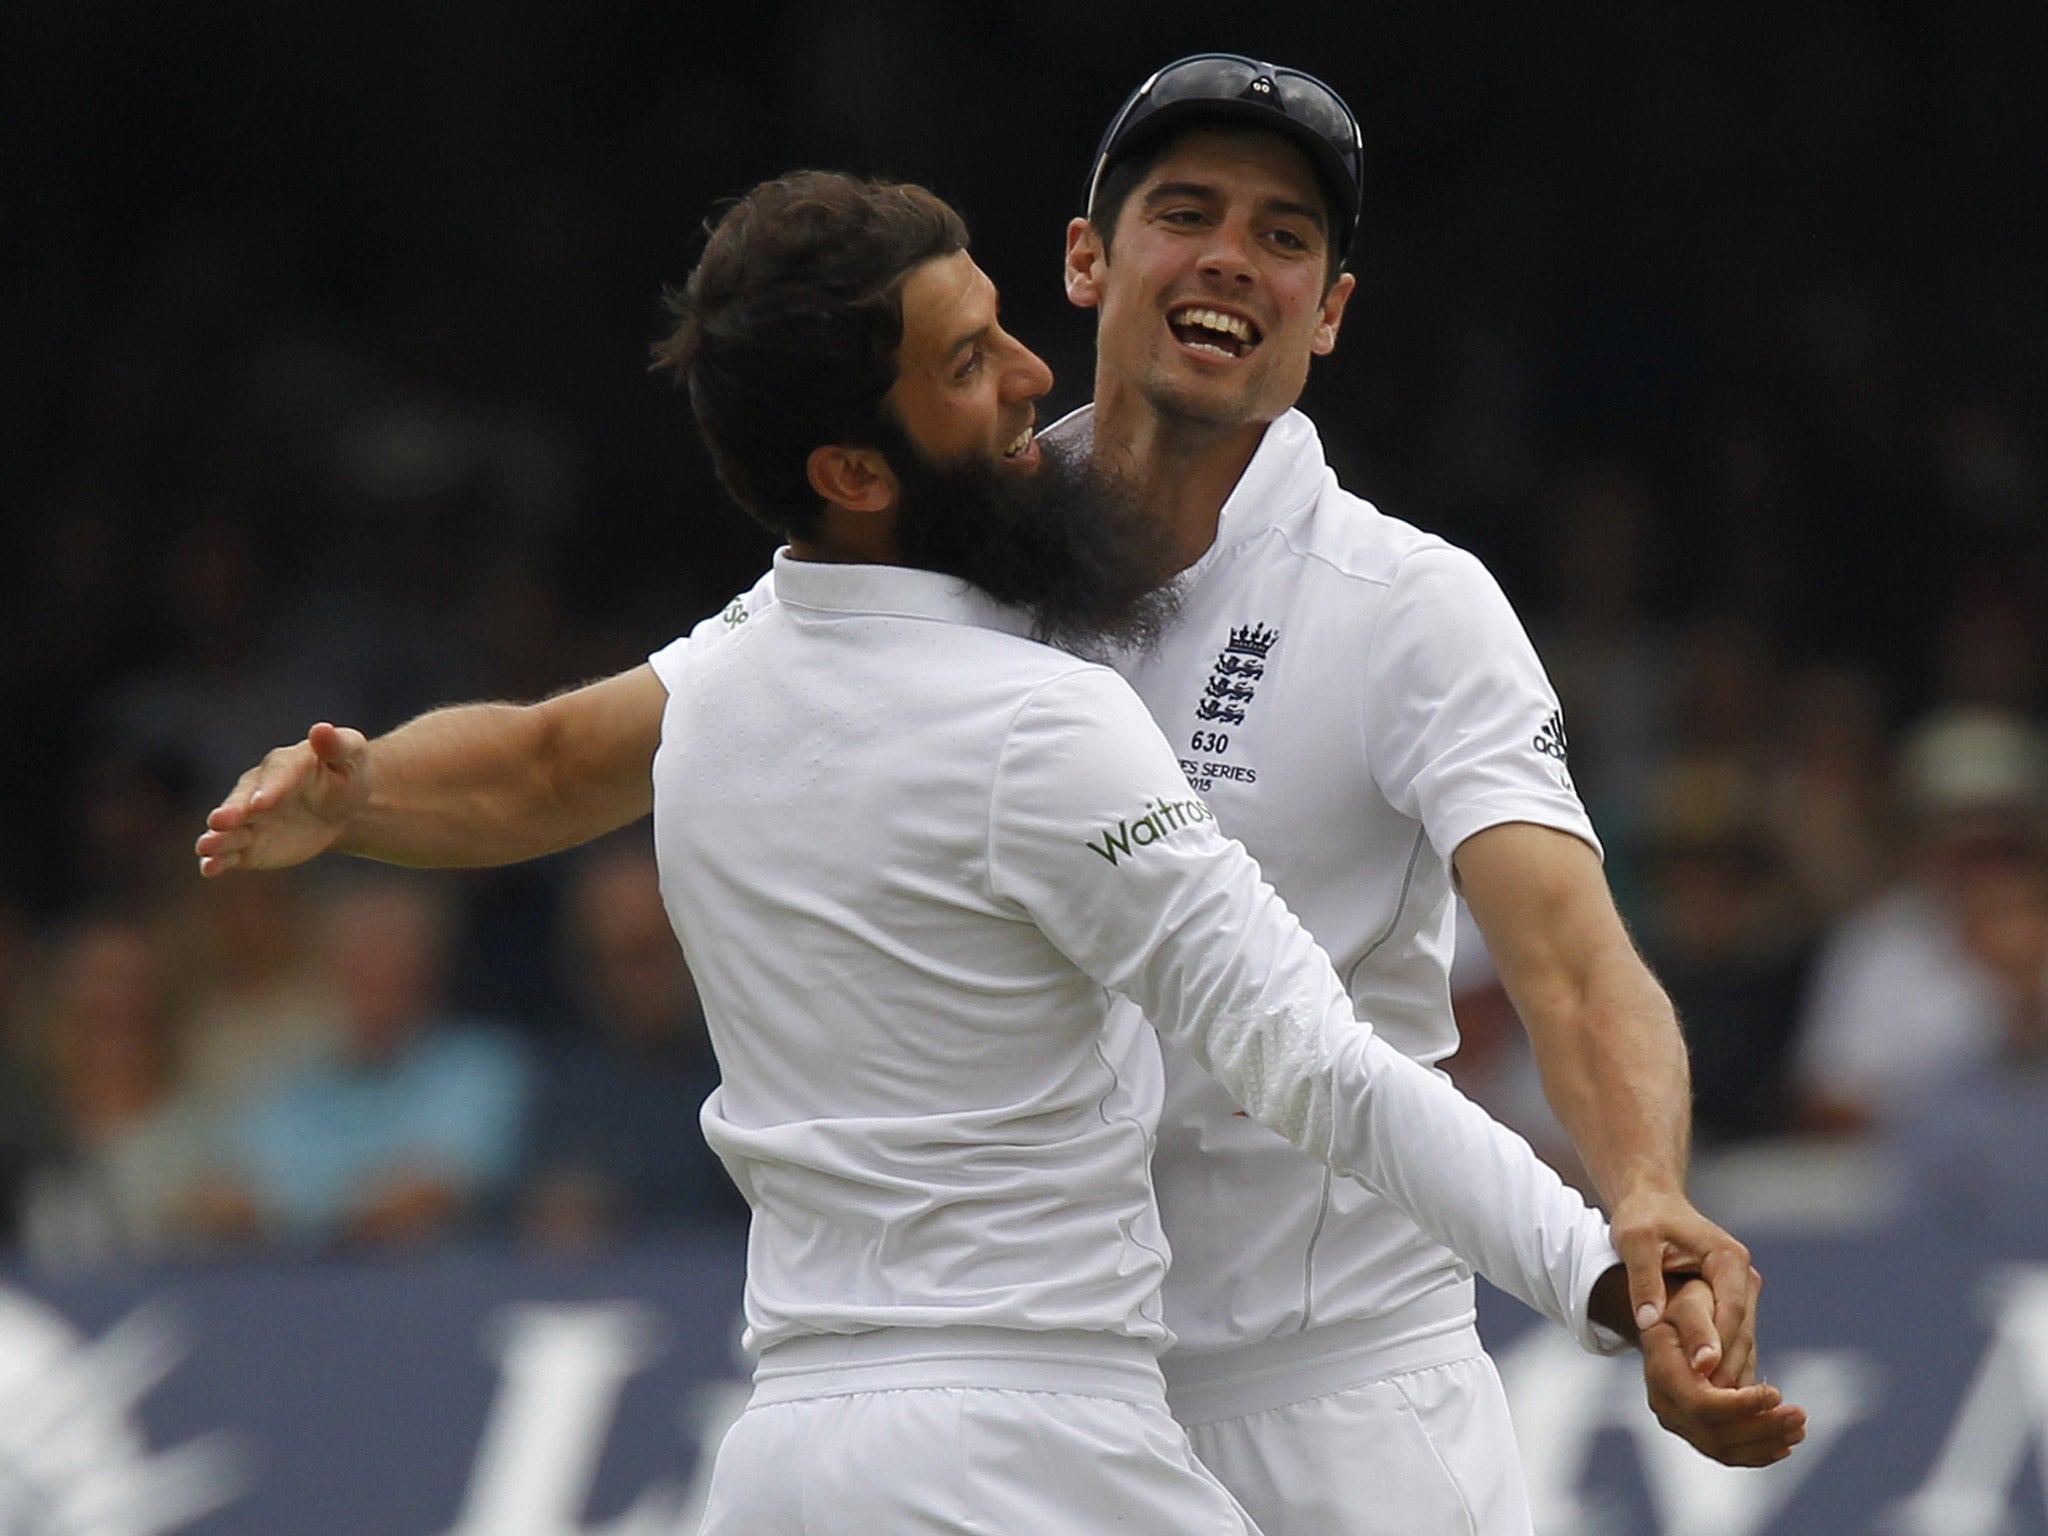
{"type": "Point", "coordinates": [1012, 1359]}
{"type": "Point", "coordinates": [1318, 1361]}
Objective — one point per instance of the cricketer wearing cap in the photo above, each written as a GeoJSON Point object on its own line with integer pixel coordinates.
{"type": "Point", "coordinates": [912, 853]}
{"type": "Point", "coordinates": [1358, 703]}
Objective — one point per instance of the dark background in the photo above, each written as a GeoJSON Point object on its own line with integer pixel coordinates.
{"type": "Point", "coordinates": [1720, 333]}
{"type": "Point", "coordinates": [236, 231]}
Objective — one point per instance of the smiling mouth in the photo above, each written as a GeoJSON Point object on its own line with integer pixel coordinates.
{"type": "Point", "coordinates": [1201, 329]}
{"type": "Point", "coordinates": [1019, 443]}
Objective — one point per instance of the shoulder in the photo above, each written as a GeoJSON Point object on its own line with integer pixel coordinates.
{"type": "Point", "coordinates": [1059, 690]}
{"type": "Point", "coordinates": [1411, 587]}
{"type": "Point", "coordinates": [1078, 726]}
{"type": "Point", "coordinates": [708, 634]}
{"type": "Point", "coordinates": [1354, 538]}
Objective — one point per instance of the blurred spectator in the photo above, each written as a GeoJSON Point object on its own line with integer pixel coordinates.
{"type": "Point", "coordinates": [1726, 938]}
{"type": "Point", "coordinates": [616, 1146]}
{"type": "Point", "coordinates": [1976, 1153]}
{"type": "Point", "coordinates": [1827, 794]}
{"type": "Point", "coordinates": [131, 816]}
{"type": "Point", "coordinates": [1900, 1003]}
{"type": "Point", "coordinates": [229, 684]}
{"type": "Point", "coordinates": [1727, 686]}
{"type": "Point", "coordinates": [412, 1127]}
{"type": "Point", "coordinates": [1991, 639]}
{"type": "Point", "coordinates": [1752, 512]}
{"type": "Point", "coordinates": [134, 1176]}
{"type": "Point", "coordinates": [24, 1129]}
{"type": "Point", "coordinates": [1606, 642]}
{"type": "Point", "coordinates": [259, 1002]}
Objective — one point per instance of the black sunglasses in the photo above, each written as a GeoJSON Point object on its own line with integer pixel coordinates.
{"type": "Point", "coordinates": [1236, 85]}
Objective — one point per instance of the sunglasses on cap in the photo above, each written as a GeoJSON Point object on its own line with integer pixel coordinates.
{"type": "Point", "coordinates": [1228, 85]}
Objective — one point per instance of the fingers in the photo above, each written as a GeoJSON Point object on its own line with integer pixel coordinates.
{"type": "Point", "coordinates": [336, 745]}
{"type": "Point", "coordinates": [284, 771]}
{"type": "Point", "coordinates": [221, 844]}
{"type": "Point", "coordinates": [1642, 1253]}
{"type": "Point", "coordinates": [290, 779]}
{"type": "Point", "coordinates": [1659, 1232]}
{"type": "Point", "coordinates": [1749, 1426]}
{"type": "Point", "coordinates": [231, 811]}
{"type": "Point", "coordinates": [1738, 1359]}
{"type": "Point", "coordinates": [1758, 1441]}
{"type": "Point", "coordinates": [1690, 1312]}
{"type": "Point", "coordinates": [1736, 1284]}
{"type": "Point", "coordinates": [218, 852]}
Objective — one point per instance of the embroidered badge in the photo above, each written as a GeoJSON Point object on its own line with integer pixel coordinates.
{"type": "Point", "coordinates": [1234, 680]}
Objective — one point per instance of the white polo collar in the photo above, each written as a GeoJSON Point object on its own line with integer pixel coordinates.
{"type": "Point", "coordinates": [899, 591]}
{"type": "Point", "coordinates": [1285, 474]}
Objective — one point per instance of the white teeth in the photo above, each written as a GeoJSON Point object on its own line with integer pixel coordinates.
{"type": "Point", "coordinates": [1214, 320]}
{"type": "Point", "coordinates": [1018, 443]}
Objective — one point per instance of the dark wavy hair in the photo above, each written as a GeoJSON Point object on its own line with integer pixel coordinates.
{"type": "Point", "coordinates": [786, 334]}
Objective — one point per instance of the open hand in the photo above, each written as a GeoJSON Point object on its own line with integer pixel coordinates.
{"type": "Point", "coordinates": [290, 807]}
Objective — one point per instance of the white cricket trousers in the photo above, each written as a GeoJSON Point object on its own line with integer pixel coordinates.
{"type": "Point", "coordinates": [1423, 1446]}
{"type": "Point", "coordinates": [965, 1432]}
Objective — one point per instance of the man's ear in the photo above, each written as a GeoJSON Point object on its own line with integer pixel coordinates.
{"type": "Point", "coordinates": [1086, 257]}
{"type": "Point", "coordinates": [858, 479]}
{"type": "Point", "coordinates": [1325, 339]}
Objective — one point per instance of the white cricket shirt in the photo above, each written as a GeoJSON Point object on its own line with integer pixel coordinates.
{"type": "Point", "coordinates": [910, 854]}
{"type": "Point", "coordinates": [1354, 698]}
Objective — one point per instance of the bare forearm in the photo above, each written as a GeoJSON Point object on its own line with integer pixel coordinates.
{"type": "Point", "coordinates": [1606, 1040]}
{"type": "Point", "coordinates": [1614, 1070]}
{"type": "Point", "coordinates": [471, 785]}
{"type": "Point", "coordinates": [1613, 1063]}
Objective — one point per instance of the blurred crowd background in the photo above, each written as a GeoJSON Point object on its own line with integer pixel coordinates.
{"type": "Point", "coordinates": [1720, 333]}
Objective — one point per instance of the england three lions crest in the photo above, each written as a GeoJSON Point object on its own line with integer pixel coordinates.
{"type": "Point", "coordinates": [1234, 679]}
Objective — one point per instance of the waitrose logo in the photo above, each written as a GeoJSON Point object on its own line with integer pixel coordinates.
{"type": "Point", "coordinates": [1161, 820]}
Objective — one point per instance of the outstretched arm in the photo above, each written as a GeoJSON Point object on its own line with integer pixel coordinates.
{"type": "Point", "coordinates": [472, 784]}
{"type": "Point", "coordinates": [1613, 1062]}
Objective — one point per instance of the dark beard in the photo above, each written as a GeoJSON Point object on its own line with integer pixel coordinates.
{"type": "Point", "coordinates": [1071, 545]}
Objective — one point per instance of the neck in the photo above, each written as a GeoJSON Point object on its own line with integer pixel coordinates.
{"type": "Point", "coordinates": [1185, 469]}
{"type": "Point", "coordinates": [841, 538]}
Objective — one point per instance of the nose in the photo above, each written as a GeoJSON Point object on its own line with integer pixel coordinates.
{"type": "Point", "coordinates": [1028, 377]}
{"type": "Point", "coordinates": [1227, 253]}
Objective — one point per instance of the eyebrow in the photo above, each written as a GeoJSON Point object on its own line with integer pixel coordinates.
{"type": "Point", "coordinates": [1168, 190]}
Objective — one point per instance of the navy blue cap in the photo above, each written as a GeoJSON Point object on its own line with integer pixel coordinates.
{"type": "Point", "coordinates": [1230, 86]}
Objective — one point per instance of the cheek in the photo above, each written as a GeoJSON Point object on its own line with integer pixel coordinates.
{"type": "Point", "coordinates": [940, 419]}
{"type": "Point", "coordinates": [1132, 332]}
{"type": "Point", "coordinates": [971, 417]}
{"type": "Point", "coordinates": [1129, 297]}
